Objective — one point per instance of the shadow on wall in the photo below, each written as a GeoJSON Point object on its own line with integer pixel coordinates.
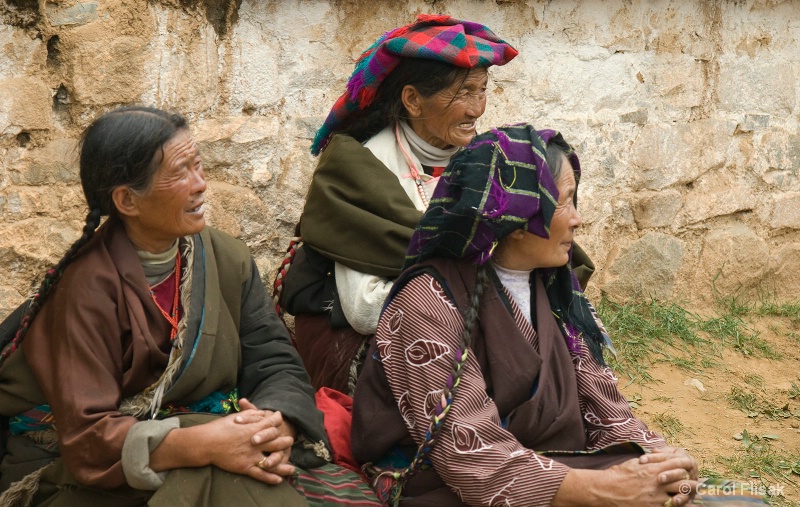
{"type": "Point", "coordinates": [221, 14]}
{"type": "Point", "coordinates": [21, 13]}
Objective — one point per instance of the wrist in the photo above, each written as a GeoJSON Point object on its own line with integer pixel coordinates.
{"type": "Point", "coordinates": [578, 488]}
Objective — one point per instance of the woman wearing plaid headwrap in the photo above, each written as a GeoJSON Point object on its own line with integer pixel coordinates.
{"type": "Point", "coordinates": [411, 103]}
{"type": "Point", "coordinates": [485, 382]}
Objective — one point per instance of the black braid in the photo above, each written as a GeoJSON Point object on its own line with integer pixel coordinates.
{"type": "Point", "coordinates": [51, 278]}
{"type": "Point", "coordinates": [448, 394]}
{"type": "Point", "coordinates": [471, 315]}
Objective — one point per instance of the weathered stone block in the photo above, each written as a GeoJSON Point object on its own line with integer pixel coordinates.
{"type": "Point", "coordinates": [56, 162]}
{"type": "Point", "coordinates": [665, 155]}
{"type": "Point", "coordinates": [42, 239]}
{"type": "Point", "coordinates": [750, 84]}
{"type": "Point", "coordinates": [786, 272]}
{"type": "Point", "coordinates": [752, 122]}
{"type": "Point", "coordinates": [25, 104]}
{"type": "Point", "coordinates": [231, 206]}
{"type": "Point", "coordinates": [621, 209]}
{"type": "Point", "coordinates": [786, 211]}
{"type": "Point", "coordinates": [703, 205]}
{"type": "Point", "coordinates": [656, 209]}
{"type": "Point", "coordinates": [778, 159]}
{"type": "Point", "coordinates": [108, 68]}
{"type": "Point", "coordinates": [78, 14]}
{"type": "Point", "coordinates": [646, 268]}
{"type": "Point", "coordinates": [20, 54]}
{"type": "Point", "coordinates": [734, 259]}
{"type": "Point", "coordinates": [244, 149]}
{"type": "Point", "coordinates": [638, 117]}
{"type": "Point", "coordinates": [10, 299]}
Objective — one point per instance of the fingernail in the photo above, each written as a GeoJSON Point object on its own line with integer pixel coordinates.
{"type": "Point", "coordinates": [256, 439]}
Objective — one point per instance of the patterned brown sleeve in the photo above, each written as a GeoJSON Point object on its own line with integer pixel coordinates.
{"type": "Point", "coordinates": [483, 463]}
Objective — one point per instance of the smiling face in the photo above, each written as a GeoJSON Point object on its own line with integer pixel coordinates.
{"type": "Point", "coordinates": [447, 118]}
{"type": "Point", "coordinates": [172, 206]}
{"type": "Point", "coordinates": [522, 250]}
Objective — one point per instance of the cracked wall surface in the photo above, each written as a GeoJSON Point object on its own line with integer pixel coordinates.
{"type": "Point", "coordinates": [684, 113]}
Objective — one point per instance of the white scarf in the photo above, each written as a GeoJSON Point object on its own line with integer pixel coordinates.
{"type": "Point", "coordinates": [427, 154]}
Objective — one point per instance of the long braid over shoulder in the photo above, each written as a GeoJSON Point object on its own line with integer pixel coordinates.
{"type": "Point", "coordinates": [452, 384]}
{"type": "Point", "coordinates": [51, 277]}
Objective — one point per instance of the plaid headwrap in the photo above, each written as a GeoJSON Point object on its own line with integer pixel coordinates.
{"type": "Point", "coordinates": [435, 37]}
{"type": "Point", "coordinates": [497, 184]}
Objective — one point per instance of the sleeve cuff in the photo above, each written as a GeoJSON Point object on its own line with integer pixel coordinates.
{"type": "Point", "coordinates": [141, 440]}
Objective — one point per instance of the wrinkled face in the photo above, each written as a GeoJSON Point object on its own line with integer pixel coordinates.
{"type": "Point", "coordinates": [447, 118]}
{"type": "Point", "coordinates": [523, 250]}
{"type": "Point", "coordinates": [173, 205]}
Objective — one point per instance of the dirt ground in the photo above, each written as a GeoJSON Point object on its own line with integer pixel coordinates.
{"type": "Point", "coordinates": [709, 425]}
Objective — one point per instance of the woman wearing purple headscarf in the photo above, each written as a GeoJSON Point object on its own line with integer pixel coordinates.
{"type": "Point", "coordinates": [485, 383]}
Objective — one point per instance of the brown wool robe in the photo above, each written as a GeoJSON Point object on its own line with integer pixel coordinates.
{"type": "Point", "coordinates": [100, 339]}
{"type": "Point", "coordinates": [484, 450]}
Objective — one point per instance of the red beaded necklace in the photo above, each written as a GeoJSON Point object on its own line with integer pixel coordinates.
{"type": "Point", "coordinates": [172, 317]}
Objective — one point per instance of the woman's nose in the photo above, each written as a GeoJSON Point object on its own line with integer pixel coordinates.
{"type": "Point", "coordinates": [576, 219]}
{"type": "Point", "coordinates": [476, 104]}
{"type": "Point", "coordinates": [200, 180]}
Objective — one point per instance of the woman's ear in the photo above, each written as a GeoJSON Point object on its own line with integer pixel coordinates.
{"type": "Point", "coordinates": [411, 101]}
{"type": "Point", "coordinates": [125, 201]}
{"type": "Point", "coordinates": [517, 234]}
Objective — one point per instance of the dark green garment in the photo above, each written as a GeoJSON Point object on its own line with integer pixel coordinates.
{"type": "Point", "coordinates": [234, 338]}
{"type": "Point", "coordinates": [207, 486]}
{"type": "Point", "coordinates": [356, 211]}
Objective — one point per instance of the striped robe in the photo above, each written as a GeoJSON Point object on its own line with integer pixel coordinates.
{"type": "Point", "coordinates": [522, 392]}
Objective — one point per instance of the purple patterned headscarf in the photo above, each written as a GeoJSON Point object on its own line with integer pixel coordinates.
{"type": "Point", "coordinates": [497, 184]}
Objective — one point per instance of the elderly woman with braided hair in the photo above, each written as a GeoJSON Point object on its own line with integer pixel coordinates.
{"type": "Point", "coordinates": [485, 383]}
{"type": "Point", "coordinates": [150, 367]}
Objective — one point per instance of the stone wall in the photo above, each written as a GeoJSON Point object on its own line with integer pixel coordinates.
{"type": "Point", "coordinates": [685, 114]}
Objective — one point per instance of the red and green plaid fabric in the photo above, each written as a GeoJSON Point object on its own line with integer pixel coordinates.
{"type": "Point", "coordinates": [435, 37]}
{"type": "Point", "coordinates": [333, 485]}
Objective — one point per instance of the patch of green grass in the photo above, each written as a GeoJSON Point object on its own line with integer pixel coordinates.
{"type": "Point", "coordinates": [731, 330]}
{"type": "Point", "coordinates": [754, 406]}
{"type": "Point", "coordinates": [754, 380]}
{"type": "Point", "coordinates": [669, 425]}
{"type": "Point", "coordinates": [762, 462]}
{"type": "Point", "coordinates": [794, 392]}
{"type": "Point", "coordinates": [744, 401]}
{"type": "Point", "coordinates": [646, 332]}
{"type": "Point", "coordinates": [788, 310]}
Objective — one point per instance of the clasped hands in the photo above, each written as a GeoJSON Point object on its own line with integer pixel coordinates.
{"type": "Point", "coordinates": [677, 475]}
{"type": "Point", "coordinates": [665, 477]}
{"type": "Point", "coordinates": [256, 443]}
